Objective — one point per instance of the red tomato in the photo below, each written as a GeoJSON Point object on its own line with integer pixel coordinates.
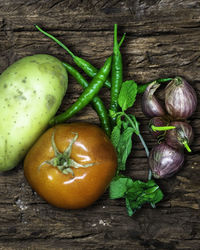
{"type": "Point", "coordinates": [77, 187]}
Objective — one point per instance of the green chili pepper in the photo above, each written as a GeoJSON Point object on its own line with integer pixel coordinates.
{"type": "Point", "coordinates": [164, 80]}
{"type": "Point", "coordinates": [93, 71]}
{"type": "Point", "coordinates": [96, 102]}
{"type": "Point", "coordinates": [116, 75]}
{"type": "Point", "coordinates": [141, 88]}
{"type": "Point", "coordinates": [88, 68]}
{"type": "Point", "coordinates": [88, 94]}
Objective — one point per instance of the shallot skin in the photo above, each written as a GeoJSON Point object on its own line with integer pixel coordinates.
{"type": "Point", "coordinates": [158, 122]}
{"type": "Point", "coordinates": [183, 132]}
{"type": "Point", "coordinates": [150, 105]}
{"type": "Point", "coordinates": [165, 161]}
{"type": "Point", "coordinates": [180, 99]}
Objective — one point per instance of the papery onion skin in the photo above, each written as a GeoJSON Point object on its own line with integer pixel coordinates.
{"type": "Point", "coordinates": [180, 99]}
{"type": "Point", "coordinates": [158, 122]}
{"type": "Point", "coordinates": [165, 161]}
{"type": "Point", "coordinates": [150, 105]}
{"type": "Point", "coordinates": [183, 131]}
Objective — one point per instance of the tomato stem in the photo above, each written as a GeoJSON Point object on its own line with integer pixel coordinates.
{"type": "Point", "coordinates": [62, 161]}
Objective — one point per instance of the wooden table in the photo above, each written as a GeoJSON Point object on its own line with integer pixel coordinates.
{"type": "Point", "coordinates": [162, 40]}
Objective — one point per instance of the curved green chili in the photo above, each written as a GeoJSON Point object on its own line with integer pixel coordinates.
{"type": "Point", "coordinates": [92, 71]}
{"type": "Point", "coordinates": [88, 68]}
{"type": "Point", "coordinates": [96, 102]}
{"type": "Point", "coordinates": [164, 80]}
{"type": "Point", "coordinates": [116, 75]}
{"type": "Point", "coordinates": [141, 88]}
{"type": "Point", "coordinates": [88, 94]}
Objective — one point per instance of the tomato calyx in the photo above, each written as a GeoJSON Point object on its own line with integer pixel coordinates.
{"type": "Point", "coordinates": [62, 161]}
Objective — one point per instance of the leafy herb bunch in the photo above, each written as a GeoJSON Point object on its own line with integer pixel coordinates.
{"type": "Point", "coordinates": [135, 192]}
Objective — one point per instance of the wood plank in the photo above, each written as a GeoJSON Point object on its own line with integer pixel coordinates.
{"type": "Point", "coordinates": [162, 39]}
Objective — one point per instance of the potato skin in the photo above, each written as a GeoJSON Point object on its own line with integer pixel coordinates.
{"type": "Point", "coordinates": [31, 91]}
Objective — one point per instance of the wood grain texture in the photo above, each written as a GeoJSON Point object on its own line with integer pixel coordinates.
{"type": "Point", "coordinates": [162, 40]}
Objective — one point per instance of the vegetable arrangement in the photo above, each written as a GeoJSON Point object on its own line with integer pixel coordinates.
{"type": "Point", "coordinates": [71, 165]}
{"type": "Point", "coordinates": [119, 125]}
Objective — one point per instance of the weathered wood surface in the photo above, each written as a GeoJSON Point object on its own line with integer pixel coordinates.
{"type": "Point", "coordinates": [162, 40]}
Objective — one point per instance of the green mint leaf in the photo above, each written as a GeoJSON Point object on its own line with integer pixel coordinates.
{"type": "Point", "coordinates": [129, 207]}
{"type": "Point", "coordinates": [115, 136]}
{"type": "Point", "coordinates": [119, 186]}
{"type": "Point", "coordinates": [141, 193]}
{"type": "Point", "coordinates": [124, 147]}
{"type": "Point", "coordinates": [112, 113]}
{"type": "Point", "coordinates": [127, 94]}
{"type": "Point", "coordinates": [116, 132]}
{"type": "Point", "coordinates": [136, 193]}
{"type": "Point", "coordinates": [125, 124]}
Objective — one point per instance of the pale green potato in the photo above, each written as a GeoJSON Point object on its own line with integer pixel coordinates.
{"type": "Point", "coordinates": [31, 91]}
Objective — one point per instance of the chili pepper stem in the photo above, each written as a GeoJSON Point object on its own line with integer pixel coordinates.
{"type": "Point", "coordinates": [187, 146]}
{"type": "Point", "coordinates": [123, 37]}
{"type": "Point", "coordinates": [164, 128]}
{"type": "Point", "coordinates": [56, 40]}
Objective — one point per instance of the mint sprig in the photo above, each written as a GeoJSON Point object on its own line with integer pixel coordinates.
{"type": "Point", "coordinates": [135, 192]}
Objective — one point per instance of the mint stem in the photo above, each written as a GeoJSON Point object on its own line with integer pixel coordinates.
{"type": "Point", "coordinates": [138, 134]}
{"type": "Point", "coordinates": [144, 144]}
{"type": "Point", "coordinates": [149, 175]}
{"type": "Point", "coordinates": [142, 141]}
